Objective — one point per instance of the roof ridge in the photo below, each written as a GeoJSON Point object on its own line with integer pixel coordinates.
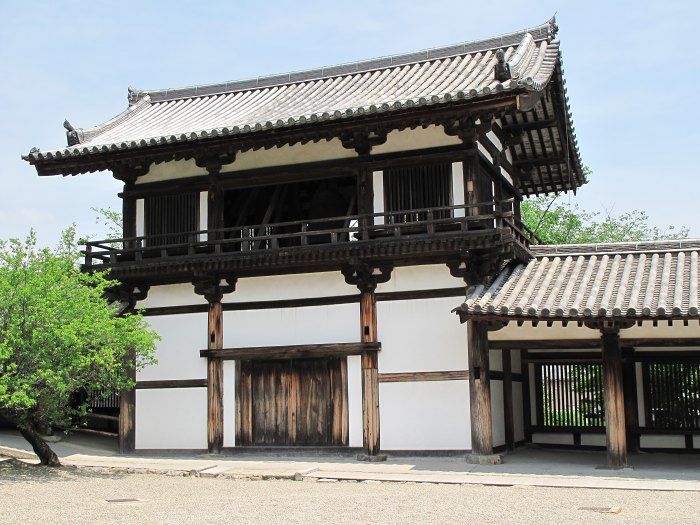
{"type": "Point", "coordinates": [620, 247]}
{"type": "Point", "coordinates": [545, 31]}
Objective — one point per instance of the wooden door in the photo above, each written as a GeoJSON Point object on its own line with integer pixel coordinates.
{"type": "Point", "coordinates": [292, 402]}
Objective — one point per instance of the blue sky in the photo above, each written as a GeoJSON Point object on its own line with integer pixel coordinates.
{"type": "Point", "coordinates": [631, 72]}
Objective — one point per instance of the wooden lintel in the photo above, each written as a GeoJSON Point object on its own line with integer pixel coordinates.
{"type": "Point", "coordinates": [407, 377]}
{"type": "Point", "coordinates": [291, 352]}
{"type": "Point", "coordinates": [171, 383]}
{"type": "Point", "coordinates": [571, 344]}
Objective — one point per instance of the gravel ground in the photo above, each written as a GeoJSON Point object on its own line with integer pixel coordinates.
{"type": "Point", "coordinates": [31, 494]}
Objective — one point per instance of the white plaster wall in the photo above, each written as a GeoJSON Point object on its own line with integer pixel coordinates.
{"type": "Point", "coordinates": [542, 332]}
{"type": "Point", "coordinates": [299, 286]}
{"type": "Point", "coordinates": [428, 415]}
{"type": "Point", "coordinates": [355, 401]}
{"type": "Point", "coordinates": [171, 418]}
{"type": "Point", "coordinates": [182, 337]}
{"type": "Point", "coordinates": [458, 187]}
{"type": "Point", "coordinates": [496, 360]}
{"type": "Point", "coordinates": [696, 441]}
{"type": "Point", "coordinates": [593, 440]}
{"type": "Point", "coordinates": [378, 190]}
{"type": "Point", "coordinates": [428, 277]}
{"type": "Point", "coordinates": [286, 155]}
{"type": "Point", "coordinates": [515, 361]}
{"type": "Point", "coordinates": [518, 416]}
{"type": "Point", "coordinates": [419, 138]}
{"type": "Point", "coordinates": [229, 403]}
{"type": "Point", "coordinates": [420, 336]}
{"type": "Point", "coordinates": [140, 218]}
{"type": "Point", "coordinates": [171, 295]}
{"type": "Point", "coordinates": [292, 326]}
{"type": "Point", "coordinates": [553, 439]}
{"type": "Point", "coordinates": [498, 417]}
{"type": "Point", "coordinates": [175, 169]}
{"type": "Point", "coordinates": [661, 441]}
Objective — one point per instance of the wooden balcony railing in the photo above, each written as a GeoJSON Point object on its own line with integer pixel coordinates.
{"type": "Point", "coordinates": [461, 220]}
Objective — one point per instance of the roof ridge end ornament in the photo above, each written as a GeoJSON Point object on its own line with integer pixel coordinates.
{"type": "Point", "coordinates": [502, 69]}
{"type": "Point", "coordinates": [73, 135]}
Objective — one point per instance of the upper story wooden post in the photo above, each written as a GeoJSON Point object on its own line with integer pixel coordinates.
{"type": "Point", "coordinates": [479, 388]}
{"type": "Point", "coordinates": [213, 161]}
{"type": "Point", "coordinates": [613, 391]}
{"type": "Point", "coordinates": [211, 288]}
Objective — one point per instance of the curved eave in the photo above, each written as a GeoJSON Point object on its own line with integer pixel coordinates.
{"type": "Point", "coordinates": [82, 159]}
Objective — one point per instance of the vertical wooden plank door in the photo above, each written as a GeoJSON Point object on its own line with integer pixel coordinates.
{"type": "Point", "coordinates": [295, 402]}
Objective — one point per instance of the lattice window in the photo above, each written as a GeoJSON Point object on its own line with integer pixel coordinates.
{"type": "Point", "coordinates": [417, 187]}
{"type": "Point", "coordinates": [170, 218]}
{"type": "Point", "coordinates": [672, 392]}
{"type": "Point", "coordinates": [570, 395]}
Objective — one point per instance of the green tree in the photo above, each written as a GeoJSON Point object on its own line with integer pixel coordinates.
{"type": "Point", "coordinates": [557, 223]}
{"type": "Point", "coordinates": [59, 335]}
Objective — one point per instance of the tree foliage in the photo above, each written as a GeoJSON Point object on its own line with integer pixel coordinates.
{"type": "Point", "coordinates": [557, 223]}
{"type": "Point", "coordinates": [59, 335]}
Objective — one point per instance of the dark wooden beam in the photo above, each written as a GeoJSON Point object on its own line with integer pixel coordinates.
{"type": "Point", "coordinates": [570, 344]}
{"type": "Point", "coordinates": [613, 391]}
{"type": "Point", "coordinates": [508, 400]}
{"type": "Point", "coordinates": [171, 383]}
{"type": "Point", "coordinates": [539, 161]}
{"type": "Point", "coordinates": [291, 351]}
{"type": "Point", "coordinates": [408, 377]}
{"type": "Point", "coordinates": [538, 124]}
{"type": "Point", "coordinates": [479, 388]}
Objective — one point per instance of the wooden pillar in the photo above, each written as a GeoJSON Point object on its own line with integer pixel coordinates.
{"type": "Point", "coordinates": [508, 400]}
{"type": "Point", "coordinates": [127, 409]}
{"type": "Point", "coordinates": [215, 381]}
{"type": "Point", "coordinates": [365, 201]}
{"type": "Point", "coordinates": [630, 392]}
{"type": "Point", "coordinates": [480, 388]}
{"type": "Point", "coordinates": [527, 414]}
{"type": "Point", "coordinates": [616, 437]}
{"type": "Point", "coordinates": [370, 373]}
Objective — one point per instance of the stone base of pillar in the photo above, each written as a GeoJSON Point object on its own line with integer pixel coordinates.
{"type": "Point", "coordinates": [484, 459]}
{"type": "Point", "coordinates": [371, 459]}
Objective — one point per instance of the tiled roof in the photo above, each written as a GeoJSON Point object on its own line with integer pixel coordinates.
{"type": "Point", "coordinates": [432, 77]}
{"type": "Point", "coordinates": [646, 280]}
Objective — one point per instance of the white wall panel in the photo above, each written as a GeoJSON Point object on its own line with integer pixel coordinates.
{"type": "Point", "coordinates": [420, 336]}
{"type": "Point", "coordinates": [175, 169]}
{"type": "Point", "coordinates": [593, 440]}
{"type": "Point", "coordinates": [553, 439]}
{"type": "Point", "coordinates": [295, 154]}
{"type": "Point", "coordinates": [229, 403]}
{"type": "Point", "coordinates": [430, 415]}
{"type": "Point", "coordinates": [495, 360]}
{"type": "Point", "coordinates": [171, 295]}
{"type": "Point", "coordinates": [171, 418]}
{"type": "Point", "coordinates": [338, 323]}
{"type": "Point", "coordinates": [661, 441]}
{"type": "Point", "coordinates": [301, 286]}
{"type": "Point", "coordinates": [429, 277]}
{"type": "Point", "coordinates": [498, 423]}
{"type": "Point", "coordinates": [419, 138]}
{"type": "Point", "coordinates": [182, 337]}
{"type": "Point", "coordinates": [355, 401]}
{"type": "Point", "coordinates": [515, 362]}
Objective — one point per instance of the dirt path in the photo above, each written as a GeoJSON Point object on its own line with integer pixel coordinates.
{"type": "Point", "coordinates": [38, 495]}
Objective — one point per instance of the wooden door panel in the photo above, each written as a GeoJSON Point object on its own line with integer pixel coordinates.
{"type": "Point", "coordinates": [292, 402]}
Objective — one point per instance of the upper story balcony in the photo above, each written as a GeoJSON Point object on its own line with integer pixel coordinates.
{"type": "Point", "coordinates": [416, 236]}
